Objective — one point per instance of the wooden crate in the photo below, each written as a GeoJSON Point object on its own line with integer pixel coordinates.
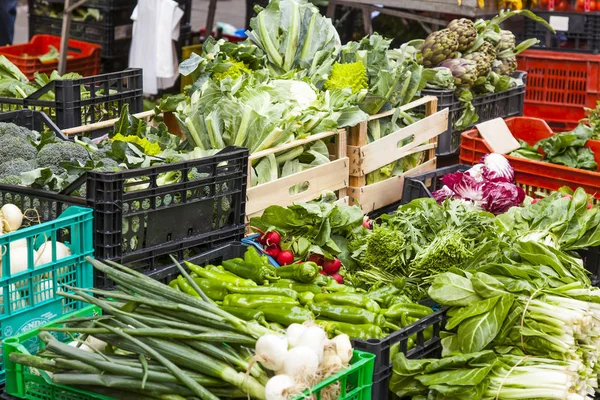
{"type": "Point", "coordinates": [366, 158]}
{"type": "Point", "coordinates": [328, 177]}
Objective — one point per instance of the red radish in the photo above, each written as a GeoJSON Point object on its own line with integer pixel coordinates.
{"type": "Point", "coordinates": [589, 206]}
{"type": "Point", "coordinates": [366, 223]}
{"type": "Point", "coordinates": [322, 272]}
{"type": "Point", "coordinates": [332, 266]}
{"type": "Point", "coordinates": [316, 258]}
{"type": "Point", "coordinates": [261, 237]}
{"type": "Point", "coordinates": [273, 250]}
{"type": "Point", "coordinates": [535, 201]}
{"type": "Point", "coordinates": [272, 238]}
{"type": "Point", "coordinates": [285, 257]}
{"type": "Point", "coordinates": [568, 196]}
{"type": "Point", "coordinates": [338, 278]}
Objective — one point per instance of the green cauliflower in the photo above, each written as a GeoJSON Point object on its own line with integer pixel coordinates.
{"type": "Point", "coordinates": [12, 147]}
{"type": "Point", "coordinates": [53, 154]}
{"type": "Point", "coordinates": [351, 75]}
{"type": "Point", "coordinates": [15, 167]}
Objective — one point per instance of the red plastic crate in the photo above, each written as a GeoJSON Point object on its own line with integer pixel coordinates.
{"type": "Point", "coordinates": [560, 85]}
{"type": "Point", "coordinates": [534, 176]}
{"type": "Point", "coordinates": [83, 57]}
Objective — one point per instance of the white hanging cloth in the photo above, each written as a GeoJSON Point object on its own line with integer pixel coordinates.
{"type": "Point", "coordinates": [155, 31]}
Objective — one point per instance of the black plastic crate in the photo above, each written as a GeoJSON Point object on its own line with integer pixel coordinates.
{"type": "Point", "coordinates": [423, 348]}
{"type": "Point", "coordinates": [102, 4]}
{"type": "Point", "coordinates": [422, 185]}
{"type": "Point", "coordinates": [108, 93]}
{"type": "Point", "coordinates": [583, 34]}
{"type": "Point", "coordinates": [494, 105]}
{"type": "Point", "coordinates": [140, 223]}
{"type": "Point", "coordinates": [113, 31]}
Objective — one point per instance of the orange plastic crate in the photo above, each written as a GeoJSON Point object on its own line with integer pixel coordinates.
{"type": "Point", "coordinates": [83, 57]}
{"type": "Point", "coordinates": [560, 85]}
{"type": "Point", "coordinates": [534, 176]}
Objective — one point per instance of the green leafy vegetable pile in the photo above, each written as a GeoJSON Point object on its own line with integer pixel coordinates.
{"type": "Point", "coordinates": [418, 241]}
{"type": "Point", "coordinates": [565, 148]}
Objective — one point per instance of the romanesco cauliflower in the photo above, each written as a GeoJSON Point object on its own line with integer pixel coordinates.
{"type": "Point", "coordinates": [352, 75]}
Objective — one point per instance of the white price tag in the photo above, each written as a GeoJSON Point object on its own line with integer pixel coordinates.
{"type": "Point", "coordinates": [559, 23]}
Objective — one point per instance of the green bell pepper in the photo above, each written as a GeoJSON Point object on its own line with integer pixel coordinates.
{"type": "Point", "coordinates": [252, 267]}
{"type": "Point", "coordinates": [413, 310]}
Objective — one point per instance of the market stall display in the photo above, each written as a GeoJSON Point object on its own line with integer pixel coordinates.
{"type": "Point", "coordinates": [366, 273]}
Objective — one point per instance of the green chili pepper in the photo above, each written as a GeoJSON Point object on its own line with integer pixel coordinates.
{"type": "Point", "coordinates": [333, 286]}
{"type": "Point", "coordinates": [251, 267]}
{"type": "Point", "coordinates": [410, 309]}
{"type": "Point", "coordinates": [298, 287]}
{"type": "Point", "coordinates": [286, 314]}
{"type": "Point", "coordinates": [173, 284]}
{"type": "Point", "coordinates": [267, 290]}
{"type": "Point", "coordinates": [276, 327]}
{"type": "Point", "coordinates": [306, 298]}
{"type": "Point", "coordinates": [305, 272]}
{"type": "Point", "coordinates": [247, 314]}
{"type": "Point", "coordinates": [185, 286]}
{"type": "Point", "coordinates": [255, 300]}
{"type": "Point", "coordinates": [215, 290]}
{"type": "Point", "coordinates": [380, 295]}
{"type": "Point", "coordinates": [355, 331]}
{"type": "Point", "coordinates": [349, 299]}
{"type": "Point", "coordinates": [219, 276]}
{"type": "Point", "coordinates": [349, 314]}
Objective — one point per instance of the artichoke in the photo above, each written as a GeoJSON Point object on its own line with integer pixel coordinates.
{"type": "Point", "coordinates": [488, 49]}
{"type": "Point", "coordinates": [505, 66]}
{"type": "Point", "coordinates": [439, 46]}
{"type": "Point", "coordinates": [482, 60]}
{"type": "Point", "coordinates": [464, 71]}
{"type": "Point", "coordinates": [507, 41]}
{"type": "Point", "coordinates": [465, 29]}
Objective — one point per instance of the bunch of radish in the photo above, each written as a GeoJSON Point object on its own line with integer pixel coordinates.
{"type": "Point", "coordinates": [329, 267]}
{"type": "Point", "coordinates": [302, 358]}
{"type": "Point", "coordinates": [271, 242]}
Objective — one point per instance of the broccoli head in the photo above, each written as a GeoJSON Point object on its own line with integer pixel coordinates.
{"type": "Point", "coordinates": [53, 154]}
{"type": "Point", "coordinates": [10, 129]}
{"type": "Point", "coordinates": [12, 147]}
{"type": "Point", "coordinates": [107, 165]}
{"type": "Point", "coordinates": [11, 180]}
{"type": "Point", "coordinates": [15, 167]}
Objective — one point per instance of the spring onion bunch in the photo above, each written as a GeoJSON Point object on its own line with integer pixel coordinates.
{"type": "Point", "coordinates": [159, 342]}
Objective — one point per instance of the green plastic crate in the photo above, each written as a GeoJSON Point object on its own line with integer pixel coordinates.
{"type": "Point", "coordinates": [28, 299]}
{"type": "Point", "coordinates": [355, 382]}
